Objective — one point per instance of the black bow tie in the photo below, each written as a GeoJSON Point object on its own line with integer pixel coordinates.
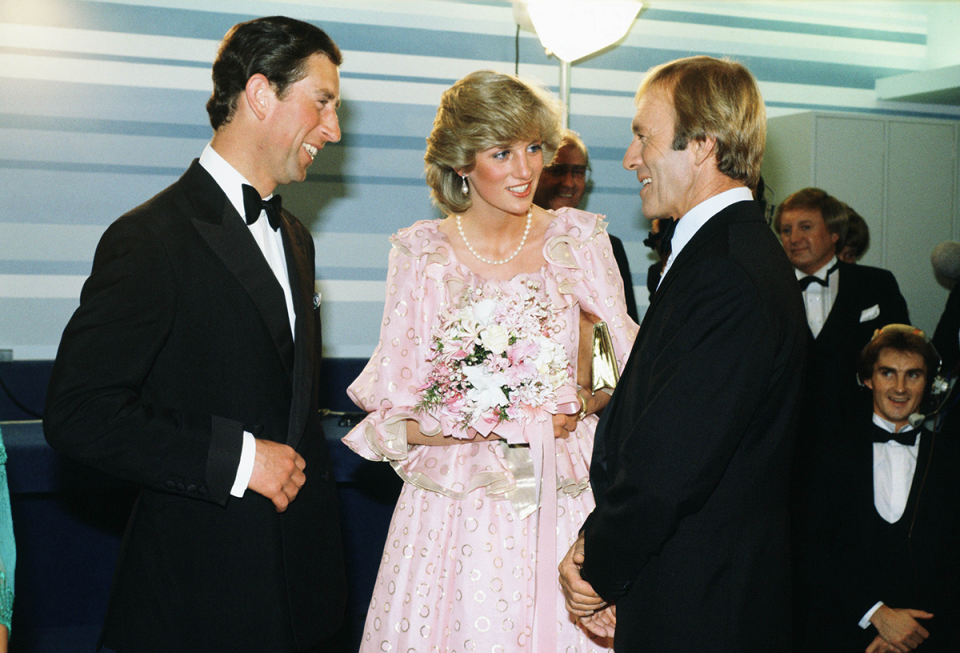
{"type": "Point", "coordinates": [906, 438]}
{"type": "Point", "coordinates": [812, 278]}
{"type": "Point", "coordinates": [253, 205]}
{"type": "Point", "coordinates": [667, 227]}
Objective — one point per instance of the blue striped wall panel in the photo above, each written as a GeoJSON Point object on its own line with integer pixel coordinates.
{"type": "Point", "coordinates": [103, 106]}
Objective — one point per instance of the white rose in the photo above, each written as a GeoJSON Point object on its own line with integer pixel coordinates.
{"type": "Point", "coordinates": [550, 354]}
{"type": "Point", "coordinates": [495, 338]}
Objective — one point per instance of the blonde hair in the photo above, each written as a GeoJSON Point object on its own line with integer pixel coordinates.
{"type": "Point", "coordinates": [715, 98]}
{"type": "Point", "coordinates": [485, 109]}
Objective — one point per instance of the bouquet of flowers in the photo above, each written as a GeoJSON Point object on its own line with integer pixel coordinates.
{"type": "Point", "coordinates": [494, 361]}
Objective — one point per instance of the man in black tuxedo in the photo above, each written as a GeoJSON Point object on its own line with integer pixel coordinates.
{"type": "Point", "coordinates": [845, 303]}
{"type": "Point", "coordinates": [192, 366]}
{"type": "Point", "coordinates": [898, 586]}
{"type": "Point", "coordinates": [689, 539]}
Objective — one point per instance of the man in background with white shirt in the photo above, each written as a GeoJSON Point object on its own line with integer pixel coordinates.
{"type": "Point", "coordinates": [899, 489]}
{"type": "Point", "coordinates": [845, 304]}
{"type": "Point", "coordinates": [192, 366]}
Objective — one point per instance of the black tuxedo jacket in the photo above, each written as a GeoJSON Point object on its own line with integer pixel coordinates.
{"type": "Point", "coordinates": [692, 455]}
{"type": "Point", "coordinates": [946, 338]}
{"type": "Point", "coordinates": [623, 264]}
{"type": "Point", "coordinates": [913, 563]}
{"type": "Point", "coordinates": [181, 342]}
{"type": "Point", "coordinates": [867, 299]}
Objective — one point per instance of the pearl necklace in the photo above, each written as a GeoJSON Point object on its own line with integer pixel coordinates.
{"type": "Point", "coordinates": [523, 242]}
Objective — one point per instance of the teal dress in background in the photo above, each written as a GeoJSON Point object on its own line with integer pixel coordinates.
{"type": "Point", "coordinates": [8, 551]}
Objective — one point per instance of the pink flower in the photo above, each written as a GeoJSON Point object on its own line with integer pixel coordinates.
{"type": "Point", "coordinates": [510, 384]}
{"type": "Point", "coordinates": [522, 349]}
{"type": "Point", "coordinates": [454, 403]}
{"type": "Point", "coordinates": [459, 354]}
{"type": "Point", "coordinates": [520, 372]}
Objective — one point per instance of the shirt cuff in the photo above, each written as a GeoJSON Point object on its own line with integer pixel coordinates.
{"type": "Point", "coordinates": [865, 622]}
{"type": "Point", "coordinates": [245, 468]}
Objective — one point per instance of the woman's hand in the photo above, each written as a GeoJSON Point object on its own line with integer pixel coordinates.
{"type": "Point", "coordinates": [564, 425]}
{"type": "Point", "coordinates": [593, 402]}
{"type": "Point", "coordinates": [414, 436]}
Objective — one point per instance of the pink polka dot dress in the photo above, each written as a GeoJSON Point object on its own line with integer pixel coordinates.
{"type": "Point", "coordinates": [459, 567]}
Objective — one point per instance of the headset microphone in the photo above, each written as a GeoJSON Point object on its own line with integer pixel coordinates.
{"type": "Point", "coordinates": [939, 386]}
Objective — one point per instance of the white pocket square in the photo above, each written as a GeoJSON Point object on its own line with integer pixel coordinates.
{"type": "Point", "coordinates": [870, 313]}
{"type": "Point", "coordinates": [316, 301]}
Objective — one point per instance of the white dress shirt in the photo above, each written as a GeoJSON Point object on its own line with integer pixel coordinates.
{"type": "Point", "coordinates": [270, 243]}
{"type": "Point", "coordinates": [894, 466]}
{"type": "Point", "coordinates": [690, 223]}
{"type": "Point", "coordinates": [818, 299]}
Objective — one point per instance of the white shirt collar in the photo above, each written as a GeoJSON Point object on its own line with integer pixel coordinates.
{"type": "Point", "coordinates": [226, 176]}
{"type": "Point", "coordinates": [696, 217]}
{"type": "Point", "coordinates": [889, 426]}
{"type": "Point", "coordinates": [821, 273]}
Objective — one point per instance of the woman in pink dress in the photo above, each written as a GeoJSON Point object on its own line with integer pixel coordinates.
{"type": "Point", "coordinates": [486, 513]}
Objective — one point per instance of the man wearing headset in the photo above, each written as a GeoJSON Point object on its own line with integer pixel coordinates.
{"type": "Point", "coordinates": [899, 568]}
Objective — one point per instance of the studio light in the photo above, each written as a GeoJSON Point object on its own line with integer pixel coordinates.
{"type": "Point", "coordinates": [574, 29]}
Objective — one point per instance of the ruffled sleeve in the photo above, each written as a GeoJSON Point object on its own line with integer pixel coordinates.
{"type": "Point", "coordinates": [578, 250]}
{"type": "Point", "coordinates": [421, 279]}
{"type": "Point", "coordinates": [389, 386]}
{"type": "Point", "coordinates": [8, 551]}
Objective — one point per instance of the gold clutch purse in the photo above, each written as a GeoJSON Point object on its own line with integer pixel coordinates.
{"type": "Point", "coordinates": [604, 373]}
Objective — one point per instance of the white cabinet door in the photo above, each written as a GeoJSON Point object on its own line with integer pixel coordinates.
{"type": "Point", "coordinates": [849, 164]}
{"type": "Point", "coordinates": [920, 191]}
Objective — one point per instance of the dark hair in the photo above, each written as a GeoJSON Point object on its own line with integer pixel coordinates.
{"type": "Point", "coordinates": [832, 210]}
{"type": "Point", "coordinates": [899, 337]}
{"type": "Point", "coordinates": [276, 47]}
{"type": "Point", "coordinates": [858, 234]}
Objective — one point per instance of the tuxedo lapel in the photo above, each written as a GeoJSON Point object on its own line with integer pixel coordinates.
{"type": "Point", "coordinates": [304, 355]}
{"type": "Point", "coordinates": [641, 351]}
{"type": "Point", "coordinates": [224, 231]}
{"type": "Point", "coordinates": [719, 221]}
{"type": "Point", "coordinates": [924, 455]}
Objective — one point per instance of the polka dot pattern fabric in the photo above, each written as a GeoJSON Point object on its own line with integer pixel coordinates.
{"type": "Point", "coordinates": [458, 570]}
